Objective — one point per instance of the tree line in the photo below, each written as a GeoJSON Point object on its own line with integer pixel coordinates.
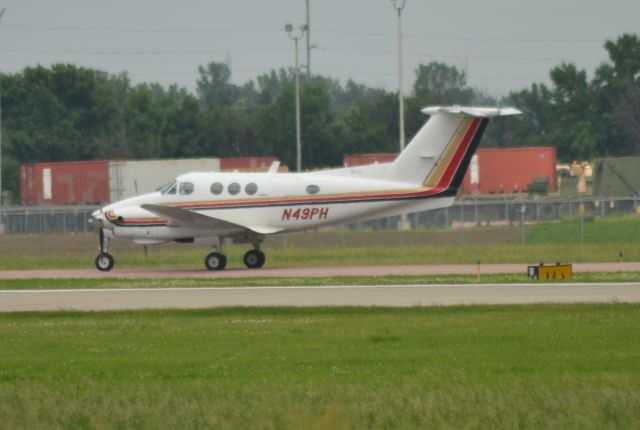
{"type": "Point", "coordinates": [65, 113]}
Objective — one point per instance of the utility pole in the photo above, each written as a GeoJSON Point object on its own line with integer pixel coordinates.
{"type": "Point", "coordinates": [398, 5]}
{"type": "Point", "coordinates": [2, 11]}
{"type": "Point", "coordinates": [308, 41]}
{"type": "Point", "coordinates": [296, 37]}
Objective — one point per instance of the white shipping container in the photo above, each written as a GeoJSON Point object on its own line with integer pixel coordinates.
{"type": "Point", "coordinates": [133, 178]}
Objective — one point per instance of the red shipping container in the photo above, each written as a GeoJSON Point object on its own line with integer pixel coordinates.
{"type": "Point", "coordinates": [509, 170]}
{"type": "Point", "coordinates": [246, 163]}
{"type": "Point", "coordinates": [65, 183]}
{"type": "Point", "coordinates": [351, 160]}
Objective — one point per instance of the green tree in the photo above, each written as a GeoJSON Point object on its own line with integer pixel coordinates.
{"type": "Point", "coordinates": [214, 86]}
{"type": "Point", "coordinates": [438, 83]}
{"type": "Point", "coordinates": [617, 87]}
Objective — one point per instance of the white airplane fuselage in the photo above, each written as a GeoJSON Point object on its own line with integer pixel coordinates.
{"type": "Point", "coordinates": [281, 203]}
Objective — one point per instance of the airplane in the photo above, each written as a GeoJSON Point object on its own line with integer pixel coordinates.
{"type": "Point", "coordinates": [209, 207]}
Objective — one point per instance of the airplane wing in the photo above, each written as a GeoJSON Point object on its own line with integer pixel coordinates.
{"type": "Point", "coordinates": [186, 218]}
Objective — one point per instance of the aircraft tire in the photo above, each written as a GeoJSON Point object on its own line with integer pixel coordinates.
{"type": "Point", "coordinates": [254, 259]}
{"type": "Point", "coordinates": [215, 261]}
{"type": "Point", "coordinates": [104, 262]}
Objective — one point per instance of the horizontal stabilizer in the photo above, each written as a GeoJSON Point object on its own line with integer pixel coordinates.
{"type": "Point", "coordinates": [478, 112]}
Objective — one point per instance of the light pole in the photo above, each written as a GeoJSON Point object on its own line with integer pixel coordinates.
{"type": "Point", "coordinates": [398, 5]}
{"type": "Point", "coordinates": [2, 11]}
{"type": "Point", "coordinates": [296, 36]}
{"type": "Point", "coordinates": [308, 30]}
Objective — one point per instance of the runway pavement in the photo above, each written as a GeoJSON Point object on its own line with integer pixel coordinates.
{"type": "Point", "coordinates": [306, 272]}
{"type": "Point", "coordinates": [396, 296]}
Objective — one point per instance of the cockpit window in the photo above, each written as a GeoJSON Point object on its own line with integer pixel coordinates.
{"type": "Point", "coordinates": [167, 187]}
{"type": "Point", "coordinates": [186, 188]}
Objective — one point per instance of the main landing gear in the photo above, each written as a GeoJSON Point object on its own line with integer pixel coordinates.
{"type": "Point", "coordinates": [104, 260]}
{"type": "Point", "coordinates": [215, 261]}
{"type": "Point", "coordinates": [253, 259]}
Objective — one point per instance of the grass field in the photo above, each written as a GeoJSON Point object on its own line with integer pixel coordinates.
{"type": "Point", "coordinates": [28, 284]}
{"type": "Point", "coordinates": [604, 238]}
{"type": "Point", "coordinates": [64, 252]}
{"type": "Point", "coordinates": [542, 366]}
{"type": "Point", "coordinates": [597, 230]}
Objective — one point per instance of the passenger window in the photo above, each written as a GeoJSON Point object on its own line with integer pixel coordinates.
{"type": "Point", "coordinates": [251, 189]}
{"type": "Point", "coordinates": [217, 188]}
{"type": "Point", "coordinates": [313, 189]}
{"type": "Point", "coordinates": [186, 188]}
{"type": "Point", "coordinates": [234, 188]}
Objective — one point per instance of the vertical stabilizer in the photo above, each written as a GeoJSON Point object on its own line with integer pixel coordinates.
{"type": "Point", "coordinates": [439, 154]}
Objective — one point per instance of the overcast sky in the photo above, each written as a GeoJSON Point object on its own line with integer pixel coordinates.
{"type": "Point", "coordinates": [502, 44]}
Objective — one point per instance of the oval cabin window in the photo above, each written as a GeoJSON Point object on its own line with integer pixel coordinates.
{"type": "Point", "coordinates": [234, 188]}
{"type": "Point", "coordinates": [313, 189]}
{"type": "Point", "coordinates": [251, 189]}
{"type": "Point", "coordinates": [217, 188]}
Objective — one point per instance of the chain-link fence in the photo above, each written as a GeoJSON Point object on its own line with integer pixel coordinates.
{"type": "Point", "coordinates": [463, 214]}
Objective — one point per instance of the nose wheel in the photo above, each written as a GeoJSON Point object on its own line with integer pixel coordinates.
{"type": "Point", "coordinates": [254, 259]}
{"type": "Point", "coordinates": [104, 260]}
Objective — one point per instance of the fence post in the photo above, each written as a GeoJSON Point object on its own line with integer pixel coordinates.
{"type": "Point", "coordinates": [462, 223]}
{"type": "Point", "coordinates": [507, 216]}
{"type": "Point", "coordinates": [523, 208]}
{"type": "Point", "coordinates": [476, 209]}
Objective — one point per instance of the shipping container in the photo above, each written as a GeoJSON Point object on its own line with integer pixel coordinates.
{"type": "Point", "coordinates": [246, 164]}
{"type": "Point", "coordinates": [101, 182]}
{"type": "Point", "coordinates": [65, 183]}
{"type": "Point", "coordinates": [352, 160]}
{"type": "Point", "coordinates": [616, 177]}
{"type": "Point", "coordinates": [133, 178]}
{"type": "Point", "coordinates": [509, 170]}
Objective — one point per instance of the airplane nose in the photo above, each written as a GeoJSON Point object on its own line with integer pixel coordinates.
{"type": "Point", "coordinates": [97, 218]}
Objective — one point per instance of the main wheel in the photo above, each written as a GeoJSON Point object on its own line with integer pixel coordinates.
{"type": "Point", "coordinates": [215, 261]}
{"type": "Point", "coordinates": [104, 262]}
{"type": "Point", "coordinates": [254, 259]}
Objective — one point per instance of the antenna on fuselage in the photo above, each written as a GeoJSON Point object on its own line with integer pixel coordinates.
{"type": "Point", "coordinates": [274, 167]}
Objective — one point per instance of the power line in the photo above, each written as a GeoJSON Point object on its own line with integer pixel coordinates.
{"type": "Point", "coordinates": [506, 39]}
{"type": "Point", "coordinates": [475, 57]}
{"type": "Point", "coordinates": [142, 52]}
{"type": "Point", "coordinates": [268, 50]}
{"type": "Point", "coordinates": [142, 30]}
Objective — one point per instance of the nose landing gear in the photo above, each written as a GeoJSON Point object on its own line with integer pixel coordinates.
{"type": "Point", "coordinates": [104, 261]}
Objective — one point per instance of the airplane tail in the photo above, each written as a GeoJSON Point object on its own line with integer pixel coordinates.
{"type": "Point", "coordinates": [439, 154]}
